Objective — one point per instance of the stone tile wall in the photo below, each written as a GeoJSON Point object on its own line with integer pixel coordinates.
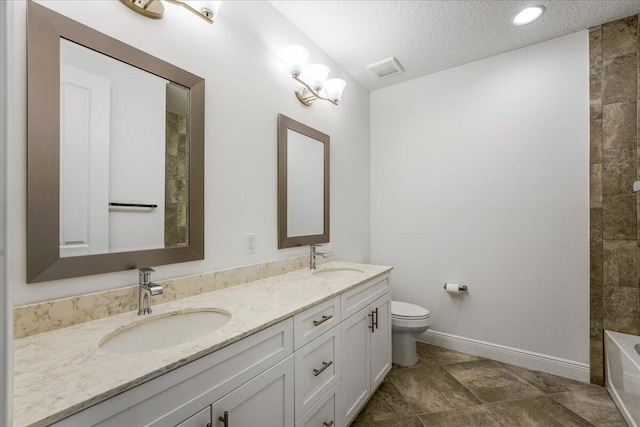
{"type": "Point", "coordinates": [176, 210]}
{"type": "Point", "coordinates": [614, 292]}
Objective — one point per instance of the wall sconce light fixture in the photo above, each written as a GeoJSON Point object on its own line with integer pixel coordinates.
{"type": "Point", "coordinates": [313, 78]}
{"type": "Point", "coordinates": [155, 9]}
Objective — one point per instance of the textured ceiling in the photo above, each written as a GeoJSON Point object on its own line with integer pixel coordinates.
{"type": "Point", "coordinates": [430, 36]}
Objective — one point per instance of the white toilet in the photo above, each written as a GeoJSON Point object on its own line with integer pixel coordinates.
{"type": "Point", "coordinates": [407, 322]}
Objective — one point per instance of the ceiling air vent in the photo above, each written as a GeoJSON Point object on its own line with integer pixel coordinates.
{"type": "Point", "coordinates": [386, 68]}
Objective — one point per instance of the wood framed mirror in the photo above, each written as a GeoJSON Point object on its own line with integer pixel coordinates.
{"type": "Point", "coordinates": [78, 144]}
{"type": "Point", "coordinates": [303, 184]}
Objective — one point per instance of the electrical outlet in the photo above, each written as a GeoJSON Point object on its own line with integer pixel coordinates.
{"type": "Point", "coordinates": [250, 242]}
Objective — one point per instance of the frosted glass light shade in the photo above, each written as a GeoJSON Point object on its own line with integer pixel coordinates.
{"type": "Point", "coordinates": [334, 88]}
{"type": "Point", "coordinates": [316, 74]}
{"type": "Point", "coordinates": [295, 57]}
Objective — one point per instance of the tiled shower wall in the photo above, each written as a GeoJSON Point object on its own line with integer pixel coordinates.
{"type": "Point", "coordinates": [176, 208]}
{"type": "Point", "coordinates": [613, 52]}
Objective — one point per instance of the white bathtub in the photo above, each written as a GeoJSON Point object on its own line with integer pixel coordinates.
{"type": "Point", "coordinates": [622, 373]}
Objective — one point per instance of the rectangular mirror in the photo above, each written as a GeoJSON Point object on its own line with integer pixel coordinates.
{"type": "Point", "coordinates": [303, 184]}
{"type": "Point", "coordinates": [115, 154]}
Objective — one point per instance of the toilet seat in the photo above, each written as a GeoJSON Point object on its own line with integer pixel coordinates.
{"type": "Point", "coordinates": [407, 311]}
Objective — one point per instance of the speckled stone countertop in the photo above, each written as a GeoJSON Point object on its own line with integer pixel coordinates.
{"type": "Point", "coordinates": [61, 372]}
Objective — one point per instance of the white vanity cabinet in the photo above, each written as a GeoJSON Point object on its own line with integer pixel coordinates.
{"type": "Point", "coordinates": [366, 344]}
{"type": "Point", "coordinates": [315, 369]}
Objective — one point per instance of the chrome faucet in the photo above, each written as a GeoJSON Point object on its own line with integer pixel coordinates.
{"type": "Point", "coordinates": [146, 288]}
{"type": "Point", "coordinates": [312, 256]}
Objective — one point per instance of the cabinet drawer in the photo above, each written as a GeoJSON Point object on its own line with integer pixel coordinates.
{"type": "Point", "coordinates": [315, 321]}
{"type": "Point", "coordinates": [318, 368]}
{"type": "Point", "coordinates": [361, 296]}
{"type": "Point", "coordinates": [201, 419]}
{"type": "Point", "coordinates": [326, 412]}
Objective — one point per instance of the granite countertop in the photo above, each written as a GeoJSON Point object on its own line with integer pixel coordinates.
{"type": "Point", "coordinates": [61, 372]}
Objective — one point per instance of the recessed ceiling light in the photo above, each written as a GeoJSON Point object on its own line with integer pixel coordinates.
{"type": "Point", "coordinates": [528, 15]}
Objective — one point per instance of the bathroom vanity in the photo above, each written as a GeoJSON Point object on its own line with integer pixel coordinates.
{"type": "Point", "coordinates": [300, 349]}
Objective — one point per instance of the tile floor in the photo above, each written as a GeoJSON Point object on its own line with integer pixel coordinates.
{"type": "Point", "coordinates": [448, 388]}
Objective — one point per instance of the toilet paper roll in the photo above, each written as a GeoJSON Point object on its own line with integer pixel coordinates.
{"type": "Point", "coordinates": [452, 288]}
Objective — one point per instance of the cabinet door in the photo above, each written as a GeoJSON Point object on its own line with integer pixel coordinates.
{"type": "Point", "coordinates": [265, 401]}
{"type": "Point", "coordinates": [381, 340]}
{"type": "Point", "coordinates": [356, 347]}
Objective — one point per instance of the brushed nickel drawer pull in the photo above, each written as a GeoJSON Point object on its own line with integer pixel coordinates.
{"type": "Point", "coordinates": [325, 365]}
{"type": "Point", "coordinates": [328, 424]}
{"type": "Point", "coordinates": [225, 418]}
{"type": "Point", "coordinates": [376, 312]}
{"type": "Point", "coordinates": [373, 323]}
{"type": "Point", "coordinates": [324, 319]}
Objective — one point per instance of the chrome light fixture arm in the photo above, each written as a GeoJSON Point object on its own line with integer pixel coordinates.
{"type": "Point", "coordinates": [155, 9]}
{"type": "Point", "coordinates": [204, 13]}
{"type": "Point", "coordinates": [306, 94]}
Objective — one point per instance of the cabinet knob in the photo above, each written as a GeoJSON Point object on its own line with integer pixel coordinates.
{"type": "Point", "coordinates": [328, 423]}
{"type": "Point", "coordinates": [225, 418]}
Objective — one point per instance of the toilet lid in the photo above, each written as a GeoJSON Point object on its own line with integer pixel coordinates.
{"type": "Point", "coordinates": [408, 310]}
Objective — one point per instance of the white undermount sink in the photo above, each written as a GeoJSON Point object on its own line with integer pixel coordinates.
{"type": "Point", "coordinates": [164, 331]}
{"type": "Point", "coordinates": [338, 273]}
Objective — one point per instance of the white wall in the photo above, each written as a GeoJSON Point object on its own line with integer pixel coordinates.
{"type": "Point", "coordinates": [480, 176]}
{"type": "Point", "coordinates": [246, 87]}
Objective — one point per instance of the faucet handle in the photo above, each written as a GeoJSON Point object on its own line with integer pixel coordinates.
{"type": "Point", "coordinates": [155, 289]}
{"type": "Point", "coordinates": [144, 275]}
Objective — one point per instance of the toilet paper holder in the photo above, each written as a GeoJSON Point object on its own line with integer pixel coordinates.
{"type": "Point", "coordinates": [461, 288]}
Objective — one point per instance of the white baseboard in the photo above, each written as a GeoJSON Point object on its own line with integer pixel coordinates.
{"type": "Point", "coordinates": [540, 362]}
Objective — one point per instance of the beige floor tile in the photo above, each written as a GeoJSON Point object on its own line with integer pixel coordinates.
{"type": "Point", "coordinates": [491, 382]}
{"type": "Point", "coordinates": [432, 354]}
{"type": "Point", "coordinates": [432, 389]}
{"type": "Point", "coordinates": [592, 404]}
{"type": "Point", "coordinates": [544, 382]}
{"type": "Point", "coordinates": [386, 403]}
{"type": "Point", "coordinates": [410, 421]}
{"type": "Point", "coordinates": [449, 388]}
{"type": "Point", "coordinates": [536, 412]}
{"type": "Point", "coordinates": [476, 416]}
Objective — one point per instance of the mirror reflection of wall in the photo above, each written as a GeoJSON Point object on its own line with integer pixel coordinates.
{"type": "Point", "coordinates": [124, 140]}
{"type": "Point", "coordinates": [305, 185]}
